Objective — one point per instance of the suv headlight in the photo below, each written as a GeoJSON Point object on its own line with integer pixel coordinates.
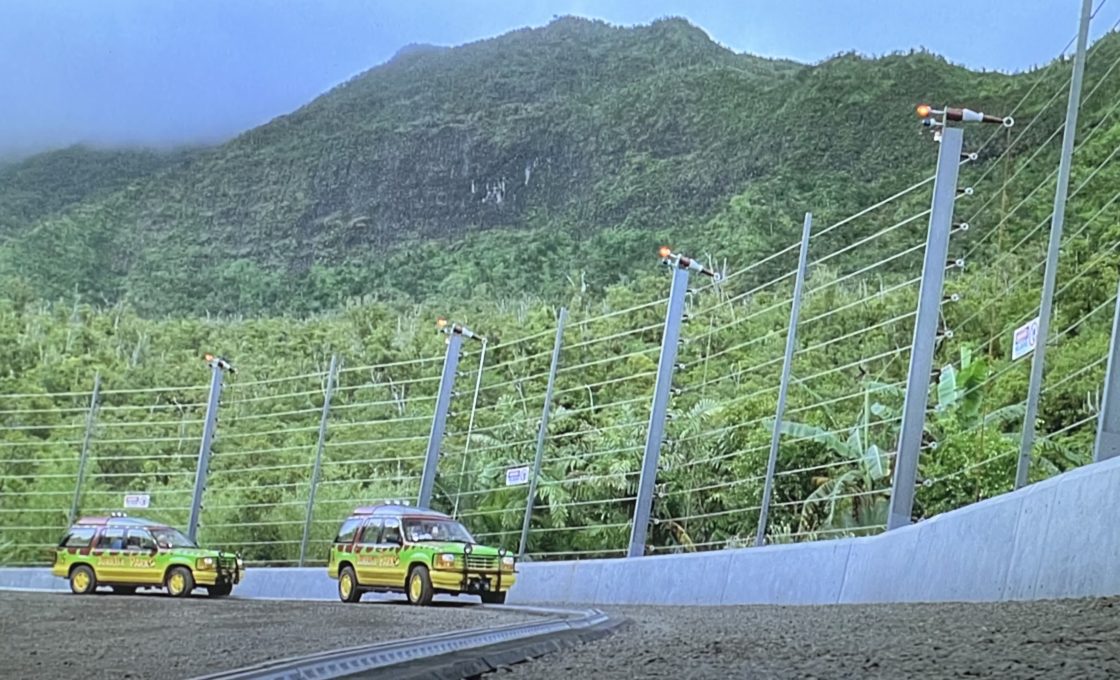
{"type": "Point", "coordinates": [507, 562]}
{"type": "Point", "coordinates": [446, 559]}
{"type": "Point", "coordinates": [204, 563]}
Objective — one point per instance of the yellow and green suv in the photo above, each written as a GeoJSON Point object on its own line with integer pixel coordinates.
{"type": "Point", "coordinates": [127, 553]}
{"type": "Point", "coordinates": [393, 548]}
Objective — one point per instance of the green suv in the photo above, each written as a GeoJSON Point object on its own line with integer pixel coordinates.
{"type": "Point", "coordinates": [127, 553]}
{"type": "Point", "coordinates": [394, 548]}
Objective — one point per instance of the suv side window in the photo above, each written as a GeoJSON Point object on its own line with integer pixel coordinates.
{"type": "Point", "coordinates": [79, 537]}
{"type": "Point", "coordinates": [139, 540]}
{"type": "Point", "coordinates": [392, 532]}
{"type": "Point", "coordinates": [349, 528]}
{"type": "Point", "coordinates": [370, 532]}
{"type": "Point", "coordinates": [111, 539]}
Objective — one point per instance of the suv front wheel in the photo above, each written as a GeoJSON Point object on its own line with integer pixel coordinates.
{"type": "Point", "coordinates": [180, 582]}
{"type": "Point", "coordinates": [220, 590]}
{"type": "Point", "coordinates": [419, 586]}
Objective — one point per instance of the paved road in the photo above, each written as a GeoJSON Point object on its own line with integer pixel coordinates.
{"type": "Point", "coordinates": [153, 636]}
{"type": "Point", "coordinates": [58, 635]}
{"type": "Point", "coordinates": [1058, 639]}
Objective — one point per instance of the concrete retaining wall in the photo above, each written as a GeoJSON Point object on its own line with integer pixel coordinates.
{"type": "Point", "coordinates": [1056, 539]}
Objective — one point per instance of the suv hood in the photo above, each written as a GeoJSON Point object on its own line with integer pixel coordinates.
{"type": "Point", "coordinates": [457, 548]}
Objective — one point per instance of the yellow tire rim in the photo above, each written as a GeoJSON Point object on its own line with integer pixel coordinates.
{"type": "Point", "coordinates": [81, 580]}
{"type": "Point", "coordinates": [176, 583]}
{"type": "Point", "coordinates": [415, 588]}
{"type": "Point", "coordinates": [346, 585]}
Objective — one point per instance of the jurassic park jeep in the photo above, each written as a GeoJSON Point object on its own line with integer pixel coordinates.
{"type": "Point", "coordinates": [127, 553]}
{"type": "Point", "coordinates": [392, 548]}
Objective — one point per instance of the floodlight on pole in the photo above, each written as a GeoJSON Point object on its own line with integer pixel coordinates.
{"type": "Point", "coordinates": [449, 328]}
{"type": "Point", "coordinates": [684, 262]}
{"type": "Point", "coordinates": [930, 116]}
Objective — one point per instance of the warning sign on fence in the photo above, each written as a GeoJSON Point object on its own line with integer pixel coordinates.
{"type": "Point", "coordinates": [517, 475]}
{"type": "Point", "coordinates": [137, 500]}
{"type": "Point", "coordinates": [1026, 338]}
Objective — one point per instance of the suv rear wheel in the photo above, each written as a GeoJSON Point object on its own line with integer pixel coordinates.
{"type": "Point", "coordinates": [82, 580]}
{"type": "Point", "coordinates": [348, 590]}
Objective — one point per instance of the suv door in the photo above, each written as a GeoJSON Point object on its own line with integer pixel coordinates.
{"type": "Point", "coordinates": [107, 557]}
{"type": "Point", "coordinates": [365, 552]}
{"type": "Point", "coordinates": [140, 558]}
{"type": "Point", "coordinates": [388, 563]}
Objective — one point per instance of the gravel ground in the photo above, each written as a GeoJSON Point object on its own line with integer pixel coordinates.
{"type": "Point", "coordinates": [153, 636]}
{"type": "Point", "coordinates": [1054, 639]}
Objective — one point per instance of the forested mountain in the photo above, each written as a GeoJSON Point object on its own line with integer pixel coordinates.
{"type": "Point", "coordinates": [494, 182]}
{"type": "Point", "coordinates": [50, 183]}
{"type": "Point", "coordinates": [498, 167]}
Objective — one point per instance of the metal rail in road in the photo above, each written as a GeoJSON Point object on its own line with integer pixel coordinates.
{"type": "Point", "coordinates": [456, 654]}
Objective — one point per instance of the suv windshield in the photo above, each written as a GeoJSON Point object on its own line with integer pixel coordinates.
{"type": "Point", "coordinates": [166, 537]}
{"type": "Point", "coordinates": [436, 529]}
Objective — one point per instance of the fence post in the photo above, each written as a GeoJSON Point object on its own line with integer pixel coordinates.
{"type": "Point", "coordinates": [925, 328]}
{"type": "Point", "coordinates": [455, 334]}
{"type": "Point", "coordinates": [783, 390]}
{"type": "Point", "coordinates": [332, 378]}
{"type": "Point", "coordinates": [470, 429]}
{"type": "Point", "coordinates": [91, 422]}
{"type": "Point", "coordinates": [662, 388]}
{"type": "Point", "coordinates": [1107, 443]}
{"type": "Point", "coordinates": [1057, 221]}
{"type": "Point", "coordinates": [218, 366]}
{"type": "Point", "coordinates": [542, 433]}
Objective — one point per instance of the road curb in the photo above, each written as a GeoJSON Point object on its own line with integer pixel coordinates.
{"type": "Point", "coordinates": [458, 654]}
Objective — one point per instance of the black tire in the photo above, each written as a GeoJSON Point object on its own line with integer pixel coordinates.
{"type": "Point", "coordinates": [172, 579]}
{"type": "Point", "coordinates": [348, 590]}
{"type": "Point", "coordinates": [220, 590]}
{"type": "Point", "coordinates": [124, 590]}
{"type": "Point", "coordinates": [82, 580]}
{"type": "Point", "coordinates": [418, 587]}
{"type": "Point", "coordinates": [493, 598]}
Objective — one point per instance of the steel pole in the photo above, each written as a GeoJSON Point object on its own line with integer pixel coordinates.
{"type": "Point", "coordinates": [783, 390]}
{"type": "Point", "coordinates": [1107, 443]}
{"type": "Point", "coordinates": [470, 429]}
{"type": "Point", "coordinates": [1057, 222]}
{"type": "Point", "coordinates": [91, 422]}
{"type": "Point", "coordinates": [542, 432]}
{"type": "Point", "coordinates": [204, 449]}
{"type": "Point", "coordinates": [332, 378]}
{"type": "Point", "coordinates": [439, 419]}
{"type": "Point", "coordinates": [925, 328]}
{"type": "Point", "coordinates": [655, 432]}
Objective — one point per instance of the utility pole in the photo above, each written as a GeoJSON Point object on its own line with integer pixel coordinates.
{"type": "Point", "coordinates": [1057, 222]}
{"type": "Point", "coordinates": [542, 433]}
{"type": "Point", "coordinates": [1107, 443]}
{"type": "Point", "coordinates": [929, 304]}
{"type": "Point", "coordinates": [655, 433]}
{"type": "Point", "coordinates": [218, 367]}
{"type": "Point", "coordinates": [783, 389]}
{"type": "Point", "coordinates": [91, 422]}
{"type": "Point", "coordinates": [332, 379]}
{"type": "Point", "coordinates": [455, 334]}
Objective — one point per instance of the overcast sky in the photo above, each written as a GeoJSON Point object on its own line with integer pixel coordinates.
{"type": "Point", "coordinates": [161, 72]}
